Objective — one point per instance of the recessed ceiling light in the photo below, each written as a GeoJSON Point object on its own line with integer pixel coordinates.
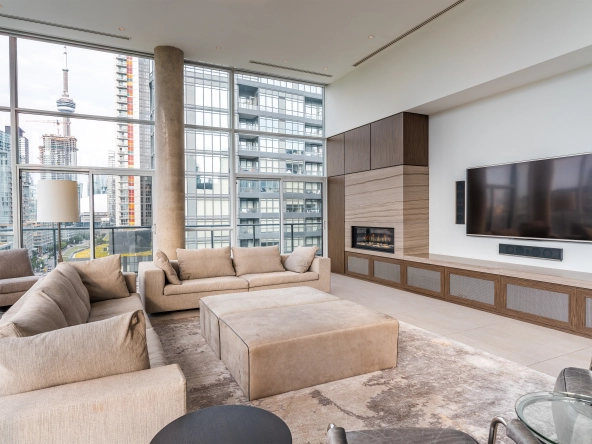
{"type": "Point", "coordinates": [325, 68]}
{"type": "Point", "coordinates": [218, 47]}
{"type": "Point", "coordinates": [285, 60]}
{"type": "Point", "coordinates": [370, 36]}
{"type": "Point", "coordinates": [122, 29]}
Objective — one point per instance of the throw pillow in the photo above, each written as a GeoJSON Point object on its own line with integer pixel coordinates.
{"type": "Point", "coordinates": [15, 263]}
{"type": "Point", "coordinates": [204, 263]}
{"type": "Point", "coordinates": [102, 278]}
{"type": "Point", "coordinates": [161, 260]}
{"type": "Point", "coordinates": [300, 259]}
{"type": "Point", "coordinates": [88, 351]}
{"type": "Point", "coordinates": [39, 314]}
{"type": "Point", "coordinates": [257, 260]}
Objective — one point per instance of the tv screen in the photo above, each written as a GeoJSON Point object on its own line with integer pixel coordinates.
{"type": "Point", "coordinates": [542, 199]}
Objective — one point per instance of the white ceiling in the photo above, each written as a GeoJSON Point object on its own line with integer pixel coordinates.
{"type": "Point", "coordinates": [310, 34]}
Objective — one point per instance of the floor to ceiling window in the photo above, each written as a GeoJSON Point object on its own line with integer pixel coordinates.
{"type": "Point", "coordinates": [279, 162]}
{"type": "Point", "coordinates": [253, 144]}
{"type": "Point", "coordinates": [86, 116]}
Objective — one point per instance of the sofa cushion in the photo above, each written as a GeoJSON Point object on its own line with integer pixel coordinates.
{"type": "Point", "coordinates": [102, 278]}
{"type": "Point", "coordinates": [57, 286]}
{"type": "Point", "coordinates": [80, 353]}
{"type": "Point", "coordinates": [257, 260]}
{"type": "Point", "coordinates": [278, 278]}
{"type": "Point", "coordinates": [155, 350]}
{"type": "Point", "coordinates": [161, 260]}
{"type": "Point", "coordinates": [204, 263]}
{"type": "Point", "coordinates": [39, 314]}
{"type": "Point", "coordinates": [300, 259]}
{"type": "Point", "coordinates": [114, 307]}
{"type": "Point", "coordinates": [15, 263]}
{"type": "Point", "coordinates": [14, 285]}
{"type": "Point", "coordinates": [72, 275]}
{"type": "Point", "coordinates": [207, 284]}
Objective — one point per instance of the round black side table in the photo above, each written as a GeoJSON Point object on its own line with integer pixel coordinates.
{"type": "Point", "coordinates": [226, 424]}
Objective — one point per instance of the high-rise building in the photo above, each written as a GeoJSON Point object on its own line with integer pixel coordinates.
{"type": "Point", "coordinates": [132, 195]}
{"type": "Point", "coordinates": [5, 180]}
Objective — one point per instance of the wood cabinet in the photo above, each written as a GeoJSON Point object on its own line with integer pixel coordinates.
{"type": "Point", "coordinates": [335, 155]}
{"type": "Point", "coordinates": [336, 225]}
{"type": "Point", "coordinates": [401, 139]}
{"type": "Point", "coordinates": [357, 150]}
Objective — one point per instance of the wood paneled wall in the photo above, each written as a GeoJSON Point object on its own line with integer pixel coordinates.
{"type": "Point", "coordinates": [335, 155]}
{"type": "Point", "coordinates": [336, 225]}
{"type": "Point", "coordinates": [357, 150]}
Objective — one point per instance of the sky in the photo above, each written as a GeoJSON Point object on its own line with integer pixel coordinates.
{"type": "Point", "coordinates": [91, 86]}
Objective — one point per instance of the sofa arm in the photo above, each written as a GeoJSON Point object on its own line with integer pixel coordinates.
{"type": "Point", "coordinates": [322, 266]}
{"type": "Point", "coordinates": [151, 282]}
{"type": "Point", "coordinates": [130, 281]}
{"type": "Point", "coordinates": [127, 408]}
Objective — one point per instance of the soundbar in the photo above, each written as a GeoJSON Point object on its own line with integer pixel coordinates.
{"type": "Point", "coordinates": [553, 254]}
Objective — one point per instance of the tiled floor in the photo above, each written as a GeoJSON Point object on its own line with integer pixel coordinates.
{"type": "Point", "coordinates": [543, 349]}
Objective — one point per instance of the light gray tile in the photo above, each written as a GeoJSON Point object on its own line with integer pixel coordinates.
{"type": "Point", "coordinates": [494, 350]}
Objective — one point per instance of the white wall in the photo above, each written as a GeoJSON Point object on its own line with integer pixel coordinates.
{"type": "Point", "coordinates": [474, 43]}
{"type": "Point", "coordinates": [549, 118]}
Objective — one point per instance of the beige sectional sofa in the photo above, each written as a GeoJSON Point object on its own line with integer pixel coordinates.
{"type": "Point", "coordinates": [79, 362]}
{"type": "Point", "coordinates": [160, 295]}
{"type": "Point", "coordinates": [16, 275]}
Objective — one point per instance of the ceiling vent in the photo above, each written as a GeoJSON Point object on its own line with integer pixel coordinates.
{"type": "Point", "coordinates": [57, 25]}
{"type": "Point", "coordinates": [411, 31]}
{"type": "Point", "coordinates": [290, 69]}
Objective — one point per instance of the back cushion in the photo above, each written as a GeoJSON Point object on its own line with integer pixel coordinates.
{"type": "Point", "coordinates": [102, 278]}
{"type": "Point", "coordinates": [39, 314]}
{"type": "Point", "coordinates": [204, 263]}
{"type": "Point", "coordinates": [89, 351]}
{"type": "Point", "coordinates": [15, 263]}
{"type": "Point", "coordinates": [72, 275]}
{"type": "Point", "coordinates": [257, 260]}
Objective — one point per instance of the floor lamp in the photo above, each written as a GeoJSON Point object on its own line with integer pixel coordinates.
{"type": "Point", "coordinates": [57, 202]}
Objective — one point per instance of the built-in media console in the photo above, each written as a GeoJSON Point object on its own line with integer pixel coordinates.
{"type": "Point", "coordinates": [374, 238]}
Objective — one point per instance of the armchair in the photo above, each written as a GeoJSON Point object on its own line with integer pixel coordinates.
{"type": "Point", "coordinates": [16, 275]}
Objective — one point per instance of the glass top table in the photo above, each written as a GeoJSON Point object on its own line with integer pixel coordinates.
{"type": "Point", "coordinates": [557, 418]}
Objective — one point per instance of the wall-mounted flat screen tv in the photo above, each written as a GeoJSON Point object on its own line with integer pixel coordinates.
{"type": "Point", "coordinates": [541, 199]}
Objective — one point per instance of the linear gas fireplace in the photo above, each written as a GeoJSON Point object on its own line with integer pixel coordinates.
{"type": "Point", "coordinates": [372, 238]}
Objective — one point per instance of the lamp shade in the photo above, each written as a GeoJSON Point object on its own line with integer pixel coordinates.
{"type": "Point", "coordinates": [57, 201]}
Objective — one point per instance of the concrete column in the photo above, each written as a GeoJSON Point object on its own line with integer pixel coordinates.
{"type": "Point", "coordinates": [169, 150]}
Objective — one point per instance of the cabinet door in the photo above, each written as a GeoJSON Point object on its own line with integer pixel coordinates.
{"type": "Point", "coordinates": [336, 226]}
{"type": "Point", "coordinates": [415, 139]}
{"type": "Point", "coordinates": [335, 155]}
{"type": "Point", "coordinates": [385, 136]}
{"type": "Point", "coordinates": [357, 150]}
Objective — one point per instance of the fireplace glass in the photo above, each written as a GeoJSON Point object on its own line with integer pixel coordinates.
{"type": "Point", "coordinates": [371, 238]}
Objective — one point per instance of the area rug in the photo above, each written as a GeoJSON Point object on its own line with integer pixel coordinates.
{"type": "Point", "coordinates": [437, 383]}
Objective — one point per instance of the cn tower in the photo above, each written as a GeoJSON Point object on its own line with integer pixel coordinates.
{"type": "Point", "coordinates": [65, 103]}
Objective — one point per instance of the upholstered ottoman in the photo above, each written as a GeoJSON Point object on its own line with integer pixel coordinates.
{"type": "Point", "coordinates": [211, 308]}
{"type": "Point", "coordinates": [288, 348]}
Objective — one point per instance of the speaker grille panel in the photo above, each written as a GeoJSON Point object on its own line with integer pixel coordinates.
{"type": "Point", "coordinates": [357, 265]}
{"type": "Point", "coordinates": [474, 289]}
{"type": "Point", "coordinates": [545, 303]}
{"type": "Point", "coordinates": [424, 279]}
{"type": "Point", "coordinates": [387, 271]}
{"type": "Point", "coordinates": [589, 312]}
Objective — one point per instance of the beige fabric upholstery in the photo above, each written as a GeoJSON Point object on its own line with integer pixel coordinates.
{"type": "Point", "coordinates": [7, 299]}
{"type": "Point", "coordinates": [152, 283]}
{"type": "Point", "coordinates": [155, 350]}
{"type": "Point", "coordinates": [125, 409]}
{"type": "Point", "coordinates": [15, 263]}
{"type": "Point", "coordinates": [130, 281]}
{"type": "Point", "coordinates": [64, 286]}
{"type": "Point", "coordinates": [227, 283]}
{"type": "Point", "coordinates": [80, 353]}
{"type": "Point", "coordinates": [204, 263]}
{"type": "Point", "coordinates": [300, 259]}
{"type": "Point", "coordinates": [161, 260]}
{"type": "Point", "coordinates": [16, 285]}
{"type": "Point", "coordinates": [280, 277]}
{"type": "Point", "coordinates": [257, 260]}
{"type": "Point", "coordinates": [212, 308]}
{"type": "Point", "coordinates": [39, 314]}
{"type": "Point", "coordinates": [283, 349]}
{"type": "Point", "coordinates": [114, 307]}
{"type": "Point", "coordinates": [103, 278]}
{"type": "Point", "coordinates": [21, 301]}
